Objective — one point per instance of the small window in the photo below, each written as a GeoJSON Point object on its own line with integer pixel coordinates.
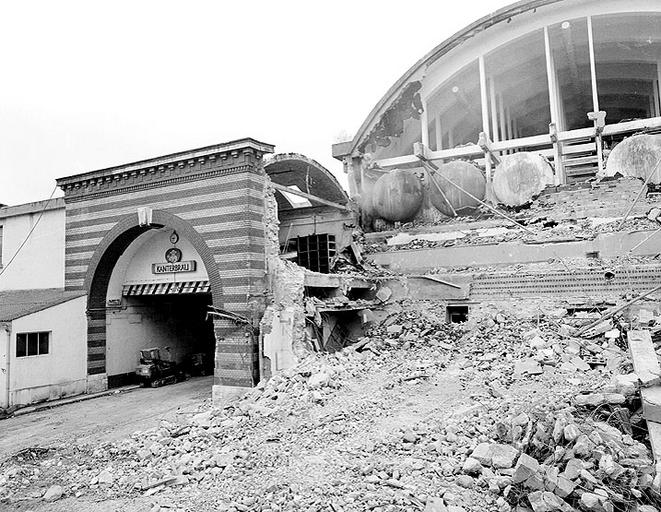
{"type": "Point", "coordinates": [32, 343]}
{"type": "Point", "coordinates": [315, 252]}
{"type": "Point", "coordinates": [457, 314]}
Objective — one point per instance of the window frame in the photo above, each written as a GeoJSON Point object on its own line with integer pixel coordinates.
{"type": "Point", "coordinates": [26, 342]}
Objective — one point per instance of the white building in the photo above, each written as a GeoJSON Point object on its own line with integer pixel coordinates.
{"type": "Point", "coordinates": [42, 326]}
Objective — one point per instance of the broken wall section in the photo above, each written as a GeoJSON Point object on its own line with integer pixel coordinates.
{"type": "Point", "coordinates": [282, 328]}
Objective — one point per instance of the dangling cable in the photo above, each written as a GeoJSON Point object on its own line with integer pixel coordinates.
{"type": "Point", "coordinates": [3, 269]}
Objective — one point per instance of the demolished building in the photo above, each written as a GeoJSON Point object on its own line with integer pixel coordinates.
{"type": "Point", "coordinates": [509, 183]}
{"type": "Point", "coordinates": [550, 109]}
{"type": "Point", "coordinates": [253, 260]}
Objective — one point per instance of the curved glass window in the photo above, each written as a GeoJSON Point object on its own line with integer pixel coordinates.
{"type": "Point", "coordinates": [627, 50]}
{"type": "Point", "coordinates": [455, 110]}
{"type": "Point", "coordinates": [571, 57]}
{"type": "Point", "coordinates": [517, 88]}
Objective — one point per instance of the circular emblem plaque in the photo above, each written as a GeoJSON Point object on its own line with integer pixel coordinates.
{"type": "Point", "coordinates": [173, 255]}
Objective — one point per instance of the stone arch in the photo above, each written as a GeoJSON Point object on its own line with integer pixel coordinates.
{"type": "Point", "coordinates": [103, 262]}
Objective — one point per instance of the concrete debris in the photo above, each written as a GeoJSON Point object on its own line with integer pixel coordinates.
{"type": "Point", "coordinates": [384, 294]}
{"type": "Point", "coordinates": [53, 493]}
{"type": "Point", "coordinates": [105, 477]}
{"type": "Point", "coordinates": [417, 414]}
{"type": "Point", "coordinates": [435, 505]}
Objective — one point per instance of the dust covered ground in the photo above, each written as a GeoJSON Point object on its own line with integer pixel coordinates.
{"type": "Point", "coordinates": [498, 413]}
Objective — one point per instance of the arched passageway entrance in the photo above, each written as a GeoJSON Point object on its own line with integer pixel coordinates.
{"type": "Point", "coordinates": [213, 197]}
{"type": "Point", "coordinates": [150, 285]}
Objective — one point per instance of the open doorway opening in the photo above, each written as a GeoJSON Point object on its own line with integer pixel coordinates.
{"type": "Point", "coordinates": [456, 314]}
{"type": "Point", "coordinates": [176, 325]}
{"type": "Point", "coordinates": [338, 329]}
{"type": "Point", "coordinates": [157, 298]}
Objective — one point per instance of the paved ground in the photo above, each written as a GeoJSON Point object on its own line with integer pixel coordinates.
{"type": "Point", "coordinates": [103, 419]}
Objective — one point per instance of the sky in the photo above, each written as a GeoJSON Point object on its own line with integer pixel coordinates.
{"type": "Point", "coordinates": [88, 85]}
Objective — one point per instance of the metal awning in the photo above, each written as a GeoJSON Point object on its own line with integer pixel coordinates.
{"type": "Point", "coordinates": [181, 288]}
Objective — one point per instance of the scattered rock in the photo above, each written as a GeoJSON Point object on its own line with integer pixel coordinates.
{"type": "Point", "coordinates": [435, 505]}
{"type": "Point", "coordinates": [526, 467]}
{"type": "Point", "coordinates": [465, 481]}
{"type": "Point", "coordinates": [590, 501]}
{"type": "Point", "coordinates": [105, 477]}
{"type": "Point", "coordinates": [472, 466]}
{"type": "Point", "coordinates": [53, 493]}
{"type": "Point", "coordinates": [544, 501]}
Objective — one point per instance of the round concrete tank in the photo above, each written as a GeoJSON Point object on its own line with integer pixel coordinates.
{"type": "Point", "coordinates": [636, 156]}
{"type": "Point", "coordinates": [520, 177]}
{"type": "Point", "coordinates": [397, 196]}
{"type": "Point", "coordinates": [464, 174]}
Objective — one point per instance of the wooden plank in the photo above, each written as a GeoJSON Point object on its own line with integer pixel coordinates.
{"type": "Point", "coordinates": [574, 135]}
{"type": "Point", "coordinates": [310, 197]}
{"type": "Point", "coordinates": [463, 151]}
{"type": "Point", "coordinates": [397, 161]}
{"type": "Point", "coordinates": [436, 280]}
{"type": "Point", "coordinates": [632, 126]}
{"type": "Point", "coordinates": [646, 366]}
{"type": "Point", "coordinates": [535, 140]}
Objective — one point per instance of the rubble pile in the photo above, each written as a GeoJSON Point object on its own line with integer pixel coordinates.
{"type": "Point", "coordinates": [558, 456]}
{"type": "Point", "coordinates": [507, 348]}
{"type": "Point", "coordinates": [544, 230]}
{"type": "Point", "coordinates": [497, 414]}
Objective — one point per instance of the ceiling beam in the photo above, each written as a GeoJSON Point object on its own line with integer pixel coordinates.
{"type": "Point", "coordinates": [310, 197]}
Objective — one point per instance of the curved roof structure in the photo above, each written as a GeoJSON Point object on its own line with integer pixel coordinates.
{"type": "Point", "coordinates": [415, 72]}
{"type": "Point", "coordinates": [306, 175]}
{"type": "Point", "coordinates": [417, 91]}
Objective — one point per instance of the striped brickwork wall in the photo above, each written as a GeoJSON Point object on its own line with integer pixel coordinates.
{"type": "Point", "coordinates": [217, 203]}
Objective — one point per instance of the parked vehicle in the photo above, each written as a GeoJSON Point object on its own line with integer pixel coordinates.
{"type": "Point", "coordinates": [154, 371]}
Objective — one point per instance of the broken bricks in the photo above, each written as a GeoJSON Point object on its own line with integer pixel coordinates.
{"type": "Point", "coordinates": [527, 367]}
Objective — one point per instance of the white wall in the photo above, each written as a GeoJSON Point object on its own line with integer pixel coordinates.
{"type": "Point", "coordinates": [134, 266]}
{"type": "Point", "coordinates": [4, 366]}
{"type": "Point", "coordinates": [40, 264]}
{"type": "Point", "coordinates": [61, 372]}
{"type": "Point", "coordinates": [278, 343]}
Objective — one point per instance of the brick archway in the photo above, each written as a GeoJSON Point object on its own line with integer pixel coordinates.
{"type": "Point", "coordinates": [103, 262]}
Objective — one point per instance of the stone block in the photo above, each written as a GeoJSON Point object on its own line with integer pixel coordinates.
{"type": "Point", "coordinates": [564, 487]}
{"type": "Point", "coordinates": [482, 453]}
{"type": "Point", "coordinates": [544, 501]}
{"type": "Point", "coordinates": [503, 456]}
{"type": "Point", "coordinates": [525, 467]}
